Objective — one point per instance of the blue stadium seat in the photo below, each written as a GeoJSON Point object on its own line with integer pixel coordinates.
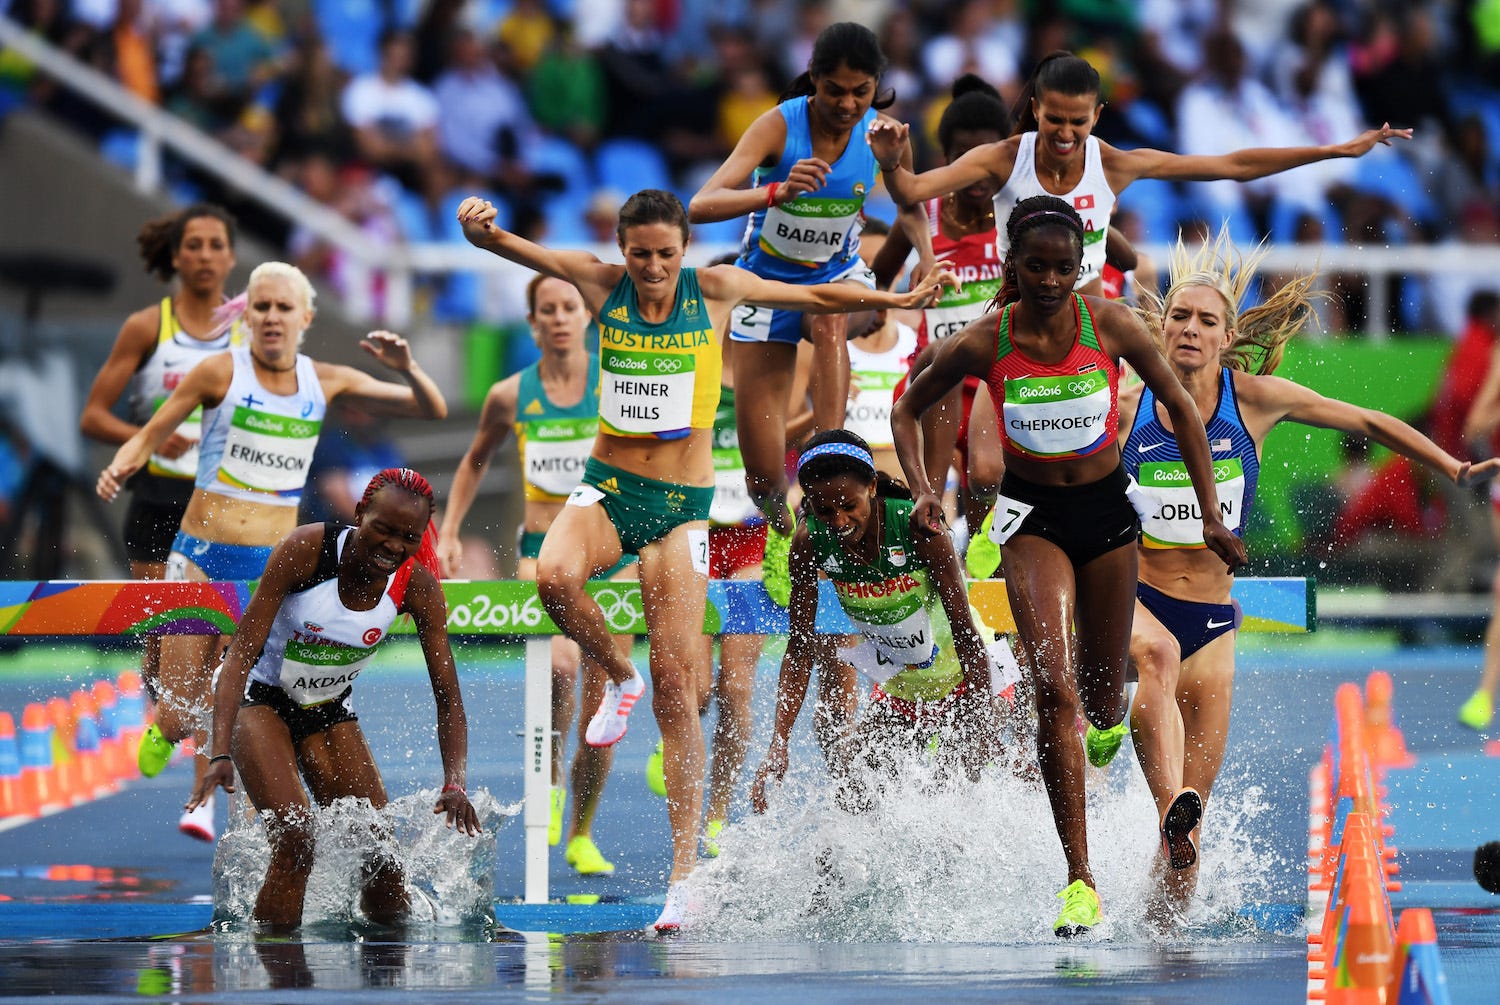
{"type": "Point", "coordinates": [457, 298]}
{"type": "Point", "coordinates": [351, 28]}
{"type": "Point", "coordinates": [553, 155]}
{"type": "Point", "coordinates": [565, 224]}
{"type": "Point", "coordinates": [1388, 174]}
{"type": "Point", "coordinates": [1158, 205]}
{"type": "Point", "coordinates": [122, 147]}
{"type": "Point", "coordinates": [630, 165]}
{"type": "Point", "coordinates": [413, 216]}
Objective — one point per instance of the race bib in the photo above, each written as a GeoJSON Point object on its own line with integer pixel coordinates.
{"type": "Point", "coordinates": [268, 453]}
{"type": "Point", "coordinates": [869, 414]}
{"type": "Point", "coordinates": [809, 230]}
{"type": "Point", "coordinates": [732, 503]}
{"type": "Point", "coordinates": [313, 674]}
{"type": "Point", "coordinates": [1009, 515]}
{"type": "Point", "coordinates": [1170, 517]}
{"type": "Point", "coordinates": [905, 643]}
{"type": "Point", "coordinates": [646, 392]}
{"type": "Point", "coordinates": [584, 495]}
{"type": "Point", "coordinates": [1057, 416]}
{"type": "Point", "coordinates": [556, 451]}
{"type": "Point", "coordinates": [186, 465]}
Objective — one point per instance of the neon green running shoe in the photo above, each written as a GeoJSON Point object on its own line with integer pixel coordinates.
{"type": "Point", "coordinates": [584, 856]}
{"type": "Point", "coordinates": [775, 569]}
{"type": "Point", "coordinates": [1080, 910]}
{"type": "Point", "coordinates": [656, 775]}
{"type": "Point", "coordinates": [1103, 744]}
{"type": "Point", "coordinates": [711, 838]}
{"type": "Point", "coordinates": [555, 821]}
{"type": "Point", "coordinates": [983, 555]}
{"type": "Point", "coordinates": [1478, 711]}
{"type": "Point", "coordinates": [154, 753]}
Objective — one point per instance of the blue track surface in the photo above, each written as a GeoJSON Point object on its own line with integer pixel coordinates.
{"type": "Point", "coordinates": [161, 883]}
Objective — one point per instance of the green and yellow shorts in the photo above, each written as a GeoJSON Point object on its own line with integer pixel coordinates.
{"type": "Point", "coordinates": [643, 510]}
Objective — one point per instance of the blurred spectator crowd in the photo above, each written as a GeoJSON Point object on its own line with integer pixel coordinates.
{"type": "Point", "coordinates": [392, 110]}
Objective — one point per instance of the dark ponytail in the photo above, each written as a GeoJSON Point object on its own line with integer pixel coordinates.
{"type": "Point", "coordinates": [1059, 72]}
{"type": "Point", "coordinates": [976, 106]}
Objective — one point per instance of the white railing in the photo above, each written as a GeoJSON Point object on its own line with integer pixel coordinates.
{"type": "Point", "coordinates": [403, 263]}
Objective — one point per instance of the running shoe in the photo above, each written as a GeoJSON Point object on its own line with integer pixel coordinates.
{"type": "Point", "coordinates": [711, 838]}
{"type": "Point", "coordinates": [1478, 711]}
{"type": "Point", "coordinates": [555, 821]}
{"type": "Point", "coordinates": [775, 570]}
{"type": "Point", "coordinates": [1103, 744]}
{"type": "Point", "coordinates": [154, 753]}
{"type": "Point", "coordinates": [983, 555]}
{"type": "Point", "coordinates": [608, 724]}
{"type": "Point", "coordinates": [586, 859]}
{"type": "Point", "coordinates": [656, 774]}
{"type": "Point", "coordinates": [1080, 910]}
{"type": "Point", "coordinates": [1177, 826]}
{"type": "Point", "coordinates": [674, 913]}
{"type": "Point", "coordinates": [199, 823]}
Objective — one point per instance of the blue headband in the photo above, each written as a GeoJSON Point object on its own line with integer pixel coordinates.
{"type": "Point", "coordinates": [835, 449]}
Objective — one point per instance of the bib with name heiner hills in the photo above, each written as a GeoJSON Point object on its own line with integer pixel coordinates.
{"type": "Point", "coordinates": [1171, 517]}
{"type": "Point", "coordinates": [658, 380]}
{"type": "Point", "coordinates": [1056, 411]}
{"type": "Point", "coordinates": [258, 445]}
{"type": "Point", "coordinates": [317, 646]}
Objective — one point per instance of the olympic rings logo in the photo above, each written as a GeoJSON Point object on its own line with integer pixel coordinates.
{"type": "Point", "coordinates": [1083, 386]}
{"type": "Point", "coordinates": [1223, 472]}
{"type": "Point", "coordinates": [668, 365]}
{"type": "Point", "coordinates": [620, 607]}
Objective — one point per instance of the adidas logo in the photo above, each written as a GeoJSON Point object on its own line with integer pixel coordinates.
{"type": "Point", "coordinates": [832, 564]}
{"type": "Point", "coordinates": [610, 485]}
{"type": "Point", "coordinates": [618, 314]}
{"type": "Point", "coordinates": [535, 408]}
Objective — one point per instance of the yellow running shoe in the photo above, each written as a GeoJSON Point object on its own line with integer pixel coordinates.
{"type": "Point", "coordinates": [1103, 744]}
{"type": "Point", "coordinates": [983, 555]}
{"type": "Point", "coordinates": [656, 776]}
{"type": "Point", "coordinates": [584, 856]}
{"type": "Point", "coordinates": [775, 569]}
{"type": "Point", "coordinates": [555, 821]}
{"type": "Point", "coordinates": [154, 753]}
{"type": "Point", "coordinates": [1080, 910]}
{"type": "Point", "coordinates": [1478, 711]}
{"type": "Point", "coordinates": [710, 838]}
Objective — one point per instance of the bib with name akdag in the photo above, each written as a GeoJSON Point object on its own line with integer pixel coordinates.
{"type": "Point", "coordinates": [312, 673]}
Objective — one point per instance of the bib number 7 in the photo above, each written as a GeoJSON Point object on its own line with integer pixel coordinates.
{"type": "Point", "coordinates": [1008, 517]}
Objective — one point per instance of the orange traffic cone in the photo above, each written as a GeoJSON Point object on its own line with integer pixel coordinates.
{"type": "Point", "coordinates": [110, 751]}
{"type": "Point", "coordinates": [1383, 739]}
{"type": "Point", "coordinates": [93, 781]}
{"type": "Point", "coordinates": [130, 715]}
{"type": "Point", "coordinates": [1418, 977]}
{"type": "Point", "coordinates": [38, 777]}
{"type": "Point", "coordinates": [12, 794]}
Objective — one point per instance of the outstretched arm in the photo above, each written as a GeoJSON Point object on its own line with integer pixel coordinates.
{"type": "Point", "coordinates": [593, 278]}
{"type": "Point", "coordinates": [495, 420]}
{"type": "Point", "coordinates": [722, 197]}
{"type": "Point", "coordinates": [428, 609]}
{"type": "Point", "coordinates": [1302, 404]}
{"type": "Point", "coordinates": [889, 138]}
{"type": "Point", "coordinates": [796, 667]}
{"type": "Point", "coordinates": [1124, 166]}
{"type": "Point", "coordinates": [419, 397]}
{"type": "Point", "coordinates": [205, 384]}
{"type": "Point", "coordinates": [737, 286]}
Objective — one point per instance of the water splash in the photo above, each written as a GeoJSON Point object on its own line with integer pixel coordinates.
{"type": "Point", "coordinates": [943, 861]}
{"type": "Point", "coordinates": [449, 876]}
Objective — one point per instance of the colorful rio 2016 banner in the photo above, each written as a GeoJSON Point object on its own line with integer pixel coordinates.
{"type": "Point", "coordinates": [490, 608]}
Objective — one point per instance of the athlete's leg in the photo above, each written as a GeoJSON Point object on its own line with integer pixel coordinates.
{"type": "Point", "coordinates": [1155, 718]}
{"type": "Point", "coordinates": [986, 460]}
{"type": "Point", "coordinates": [591, 764]}
{"type": "Point", "coordinates": [829, 383]}
{"type": "Point", "coordinates": [337, 763]}
{"type": "Point", "coordinates": [738, 656]}
{"type": "Point", "coordinates": [581, 543]}
{"type": "Point", "coordinates": [1040, 584]}
{"type": "Point", "coordinates": [763, 382]}
{"type": "Point", "coordinates": [674, 592]}
{"type": "Point", "coordinates": [1106, 602]}
{"type": "Point", "coordinates": [267, 766]}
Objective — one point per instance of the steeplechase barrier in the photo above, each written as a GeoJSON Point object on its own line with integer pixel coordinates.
{"type": "Point", "coordinates": [502, 609]}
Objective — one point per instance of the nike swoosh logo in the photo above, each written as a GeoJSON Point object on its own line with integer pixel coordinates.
{"type": "Point", "coordinates": [1219, 624]}
{"type": "Point", "coordinates": [1145, 447]}
{"type": "Point", "coordinates": [943, 256]}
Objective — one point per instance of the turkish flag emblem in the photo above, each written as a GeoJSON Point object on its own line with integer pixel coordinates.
{"type": "Point", "coordinates": [1083, 202]}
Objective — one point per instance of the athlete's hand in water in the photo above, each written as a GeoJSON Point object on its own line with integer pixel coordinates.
{"type": "Point", "coordinates": [390, 348]}
{"type": "Point", "coordinates": [887, 140]}
{"type": "Point", "coordinates": [927, 514]}
{"type": "Point", "coordinates": [930, 288]}
{"type": "Point", "coordinates": [1365, 141]}
{"type": "Point", "coordinates": [807, 175]}
{"type": "Point", "coordinates": [1224, 543]}
{"type": "Point", "coordinates": [772, 771]}
{"type": "Point", "coordinates": [454, 801]}
{"type": "Point", "coordinates": [219, 774]}
{"type": "Point", "coordinates": [1477, 474]}
{"type": "Point", "coordinates": [478, 219]}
